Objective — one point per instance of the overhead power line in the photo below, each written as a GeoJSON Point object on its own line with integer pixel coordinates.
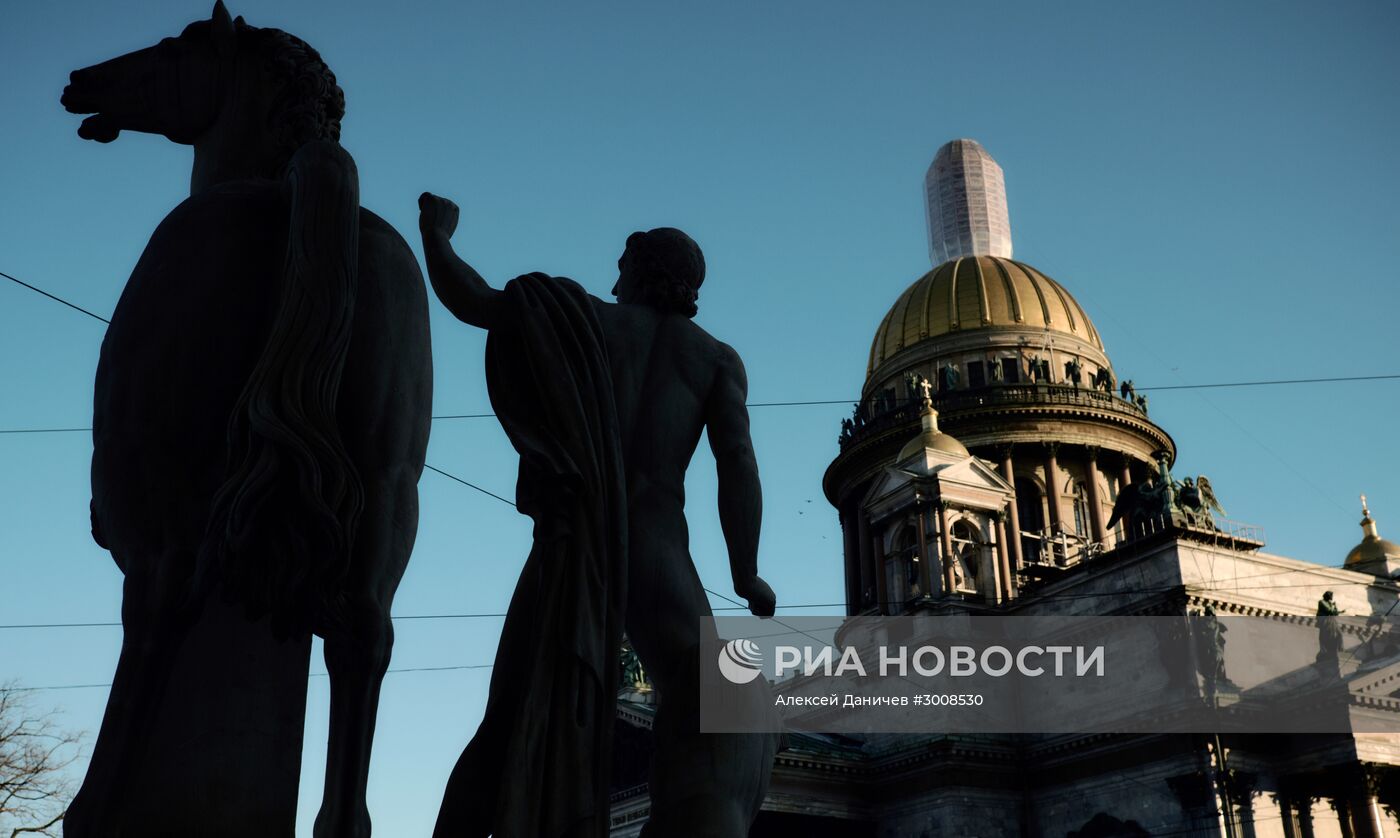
{"type": "Point", "coordinates": [397, 617]}
{"type": "Point", "coordinates": [309, 675]}
{"type": "Point", "coordinates": [1210, 386]}
{"type": "Point", "coordinates": [451, 476]}
{"type": "Point", "coordinates": [55, 298]}
{"type": "Point", "coordinates": [802, 403]}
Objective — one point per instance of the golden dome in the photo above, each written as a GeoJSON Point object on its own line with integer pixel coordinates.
{"type": "Point", "coordinates": [937, 441]}
{"type": "Point", "coordinates": [1374, 554]}
{"type": "Point", "coordinates": [976, 292]}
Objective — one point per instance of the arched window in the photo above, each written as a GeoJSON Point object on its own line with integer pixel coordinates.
{"type": "Point", "coordinates": [1030, 516]}
{"type": "Point", "coordinates": [907, 545]}
{"type": "Point", "coordinates": [1081, 511]}
{"type": "Point", "coordinates": [967, 555]}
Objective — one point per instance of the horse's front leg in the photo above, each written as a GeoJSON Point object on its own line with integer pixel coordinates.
{"type": "Point", "coordinates": [357, 654]}
{"type": "Point", "coordinates": [155, 621]}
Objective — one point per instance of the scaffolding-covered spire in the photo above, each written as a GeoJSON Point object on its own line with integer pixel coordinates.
{"type": "Point", "coordinates": [966, 203]}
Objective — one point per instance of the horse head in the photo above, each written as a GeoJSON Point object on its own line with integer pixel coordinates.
{"type": "Point", "coordinates": [174, 88]}
{"type": "Point", "coordinates": [245, 97]}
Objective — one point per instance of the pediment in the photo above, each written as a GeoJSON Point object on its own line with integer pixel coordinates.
{"type": "Point", "coordinates": [951, 477]}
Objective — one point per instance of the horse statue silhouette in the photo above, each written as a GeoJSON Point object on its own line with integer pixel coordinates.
{"type": "Point", "coordinates": [261, 415]}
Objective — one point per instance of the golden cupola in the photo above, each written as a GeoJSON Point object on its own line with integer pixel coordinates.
{"type": "Point", "coordinates": [985, 295]}
{"type": "Point", "coordinates": [1374, 555]}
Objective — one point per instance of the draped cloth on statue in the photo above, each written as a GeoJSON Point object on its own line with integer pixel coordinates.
{"type": "Point", "coordinates": [555, 685]}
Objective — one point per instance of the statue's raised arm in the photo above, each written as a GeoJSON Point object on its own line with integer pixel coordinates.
{"type": "Point", "coordinates": [461, 289]}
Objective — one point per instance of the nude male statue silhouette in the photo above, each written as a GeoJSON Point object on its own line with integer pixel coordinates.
{"type": "Point", "coordinates": [670, 381]}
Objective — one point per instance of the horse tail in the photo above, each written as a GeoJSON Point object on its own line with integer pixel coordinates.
{"type": "Point", "coordinates": [282, 525]}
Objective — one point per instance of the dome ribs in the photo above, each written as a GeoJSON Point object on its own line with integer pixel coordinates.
{"type": "Point", "coordinates": [1029, 274]}
{"type": "Point", "coordinates": [953, 320]}
{"type": "Point", "coordinates": [982, 306]}
{"type": "Point", "coordinates": [969, 293]}
{"type": "Point", "coordinates": [1013, 299]}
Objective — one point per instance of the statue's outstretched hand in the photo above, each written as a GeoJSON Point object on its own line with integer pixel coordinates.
{"type": "Point", "coordinates": [437, 214]}
{"type": "Point", "coordinates": [761, 599]}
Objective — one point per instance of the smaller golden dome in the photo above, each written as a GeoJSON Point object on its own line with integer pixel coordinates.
{"type": "Point", "coordinates": [1374, 554]}
{"type": "Point", "coordinates": [930, 437]}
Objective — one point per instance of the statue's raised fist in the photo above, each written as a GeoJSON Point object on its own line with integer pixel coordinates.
{"type": "Point", "coordinates": [436, 213]}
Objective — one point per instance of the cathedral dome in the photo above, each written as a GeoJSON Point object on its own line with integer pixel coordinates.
{"type": "Point", "coordinates": [979, 292]}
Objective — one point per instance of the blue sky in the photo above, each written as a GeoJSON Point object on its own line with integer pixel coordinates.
{"type": "Point", "coordinates": [1216, 183]}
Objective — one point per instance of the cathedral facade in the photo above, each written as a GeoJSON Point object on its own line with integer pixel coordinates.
{"type": "Point", "coordinates": [998, 464]}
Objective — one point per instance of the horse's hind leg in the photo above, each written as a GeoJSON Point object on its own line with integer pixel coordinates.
{"type": "Point", "coordinates": [357, 654]}
{"type": "Point", "coordinates": [153, 629]}
{"type": "Point", "coordinates": [358, 646]}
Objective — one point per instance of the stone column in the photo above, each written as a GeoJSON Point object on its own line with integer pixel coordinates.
{"type": "Point", "coordinates": [1365, 808]}
{"type": "Point", "coordinates": [1008, 473]}
{"type": "Point", "coordinates": [1054, 549]}
{"type": "Point", "coordinates": [1242, 788]}
{"type": "Point", "coordinates": [1091, 488]}
{"type": "Point", "coordinates": [1296, 813]}
{"type": "Point", "coordinates": [1052, 488]}
{"type": "Point", "coordinates": [945, 534]}
{"type": "Point", "coordinates": [1008, 584]}
{"type": "Point", "coordinates": [1343, 809]}
{"type": "Point", "coordinates": [925, 560]}
{"type": "Point", "coordinates": [1304, 818]}
{"type": "Point", "coordinates": [855, 570]}
{"type": "Point", "coordinates": [865, 546]}
{"type": "Point", "coordinates": [1125, 478]}
{"type": "Point", "coordinates": [877, 552]}
{"type": "Point", "coordinates": [1366, 817]}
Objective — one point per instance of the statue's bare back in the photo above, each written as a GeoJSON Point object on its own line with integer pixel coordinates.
{"type": "Point", "coordinates": [671, 381]}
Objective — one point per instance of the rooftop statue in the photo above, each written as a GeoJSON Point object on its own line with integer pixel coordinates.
{"type": "Point", "coordinates": [950, 376]}
{"type": "Point", "coordinates": [1103, 380]}
{"type": "Point", "coordinates": [1162, 500]}
{"type": "Point", "coordinates": [261, 413]}
{"type": "Point", "coordinates": [606, 404]}
{"type": "Point", "coordinates": [1329, 634]}
{"type": "Point", "coordinates": [1074, 371]}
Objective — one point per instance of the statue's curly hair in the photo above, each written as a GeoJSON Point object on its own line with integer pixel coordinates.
{"type": "Point", "coordinates": [309, 103]}
{"type": "Point", "coordinates": [672, 268]}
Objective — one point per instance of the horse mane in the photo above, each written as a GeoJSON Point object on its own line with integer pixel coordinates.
{"type": "Point", "coordinates": [309, 104]}
{"type": "Point", "coordinates": [282, 525]}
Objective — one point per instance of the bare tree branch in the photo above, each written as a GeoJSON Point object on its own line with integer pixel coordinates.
{"type": "Point", "coordinates": [35, 754]}
{"type": "Point", "coordinates": [41, 830]}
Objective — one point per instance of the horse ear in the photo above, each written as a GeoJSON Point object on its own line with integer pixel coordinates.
{"type": "Point", "coordinates": [223, 28]}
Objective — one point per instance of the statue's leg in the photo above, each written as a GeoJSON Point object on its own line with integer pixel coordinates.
{"type": "Point", "coordinates": [702, 785]}
{"type": "Point", "coordinates": [153, 596]}
{"type": "Point", "coordinates": [357, 655]}
{"type": "Point", "coordinates": [358, 644]}
{"type": "Point", "coordinates": [470, 799]}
